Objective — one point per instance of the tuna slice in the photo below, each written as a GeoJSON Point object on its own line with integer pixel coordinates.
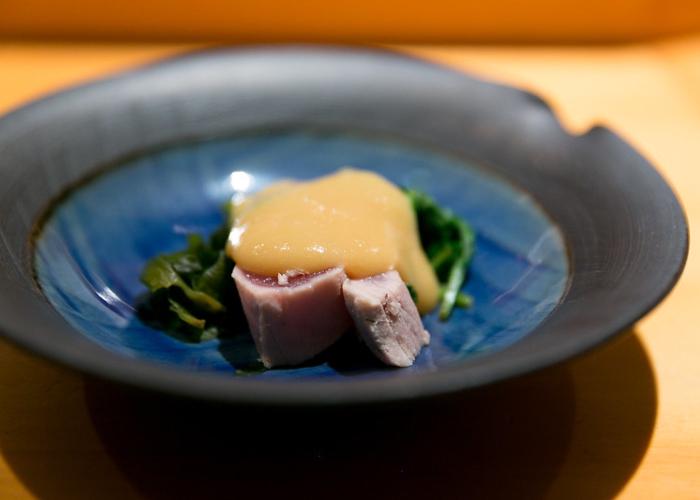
{"type": "Point", "coordinates": [295, 316]}
{"type": "Point", "coordinates": [386, 317]}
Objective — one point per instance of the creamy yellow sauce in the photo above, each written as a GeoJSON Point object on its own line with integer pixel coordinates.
{"type": "Point", "coordinates": [353, 218]}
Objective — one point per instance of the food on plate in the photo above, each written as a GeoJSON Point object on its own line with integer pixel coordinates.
{"type": "Point", "coordinates": [314, 260]}
{"type": "Point", "coordinates": [386, 317]}
{"type": "Point", "coordinates": [352, 219]}
{"type": "Point", "coordinates": [449, 244]}
{"type": "Point", "coordinates": [191, 293]}
{"type": "Point", "coordinates": [293, 319]}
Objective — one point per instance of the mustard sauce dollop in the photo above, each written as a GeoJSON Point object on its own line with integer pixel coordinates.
{"type": "Point", "coordinates": [353, 218]}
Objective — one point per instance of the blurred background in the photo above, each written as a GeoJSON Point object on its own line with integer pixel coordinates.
{"type": "Point", "coordinates": [437, 21]}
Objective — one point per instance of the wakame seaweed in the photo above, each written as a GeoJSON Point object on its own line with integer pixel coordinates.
{"type": "Point", "coordinates": [191, 293]}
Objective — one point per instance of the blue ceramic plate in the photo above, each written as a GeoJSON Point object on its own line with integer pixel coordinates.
{"type": "Point", "coordinates": [103, 177]}
{"type": "Point", "coordinates": [95, 244]}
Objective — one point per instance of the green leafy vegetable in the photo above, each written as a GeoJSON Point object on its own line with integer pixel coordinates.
{"type": "Point", "coordinates": [161, 273]}
{"type": "Point", "coordinates": [412, 292]}
{"type": "Point", "coordinates": [463, 300]}
{"type": "Point", "coordinates": [448, 242]}
{"type": "Point", "coordinates": [185, 315]}
{"type": "Point", "coordinates": [188, 289]}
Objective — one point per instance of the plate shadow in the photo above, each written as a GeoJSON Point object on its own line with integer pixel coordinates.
{"type": "Point", "coordinates": [573, 431]}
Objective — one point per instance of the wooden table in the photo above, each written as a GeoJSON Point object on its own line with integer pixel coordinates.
{"type": "Point", "coordinates": [623, 420]}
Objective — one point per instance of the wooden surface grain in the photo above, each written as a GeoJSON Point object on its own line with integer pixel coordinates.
{"type": "Point", "coordinates": [624, 420]}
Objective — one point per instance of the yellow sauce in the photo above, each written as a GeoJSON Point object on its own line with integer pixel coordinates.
{"type": "Point", "coordinates": [353, 218]}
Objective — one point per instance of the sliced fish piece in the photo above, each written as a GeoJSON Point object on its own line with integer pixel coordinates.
{"type": "Point", "coordinates": [293, 317]}
{"type": "Point", "coordinates": [386, 318]}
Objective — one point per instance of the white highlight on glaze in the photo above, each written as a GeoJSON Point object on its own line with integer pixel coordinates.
{"type": "Point", "coordinates": [240, 181]}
